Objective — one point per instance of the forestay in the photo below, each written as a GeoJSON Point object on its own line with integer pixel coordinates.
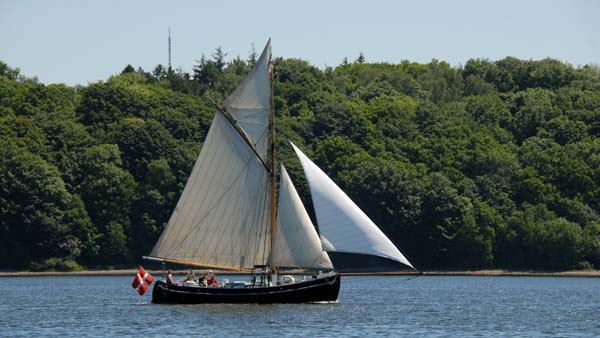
{"type": "Point", "coordinates": [222, 217]}
{"type": "Point", "coordinates": [250, 101]}
{"type": "Point", "coordinates": [296, 242]}
{"type": "Point", "coordinates": [342, 225]}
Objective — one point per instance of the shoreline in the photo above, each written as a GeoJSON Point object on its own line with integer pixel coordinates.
{"type": "Point", "coordinates": [516, 273]}
{"type": "Point", "coordinates": [477, 273]}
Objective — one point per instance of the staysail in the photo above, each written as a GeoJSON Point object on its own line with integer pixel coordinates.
{"type": "Point", "coordinates": [250, 101]}
{"type": "Point", "coordinates": [342, 225]}
{"type": "Point", "coordinates": [296, 242]}
{"type": "Point", "coordinates": [222, 218]}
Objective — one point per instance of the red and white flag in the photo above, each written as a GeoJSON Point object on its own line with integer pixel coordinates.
{"type": "Point", "coordinates": [142, 281]}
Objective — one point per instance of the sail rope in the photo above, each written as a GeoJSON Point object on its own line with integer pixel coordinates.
{"type": "Point", "coordinates": [261, 138]}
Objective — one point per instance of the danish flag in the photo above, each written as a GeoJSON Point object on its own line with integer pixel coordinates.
{"type": "Point", "coordinates": [139, 283]}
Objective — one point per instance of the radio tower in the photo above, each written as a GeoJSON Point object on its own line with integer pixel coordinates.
{"type": "Point", "coordinates": [169, 49]}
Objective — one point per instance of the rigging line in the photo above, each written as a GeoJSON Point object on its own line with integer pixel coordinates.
{"type": "Point", "coordinates": [262, 137]}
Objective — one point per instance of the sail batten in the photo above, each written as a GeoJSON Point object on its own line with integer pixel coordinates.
{"type": "Point", "coordinates": [296, 242]}
{"type": "Point", "coordinates": [343, 226]}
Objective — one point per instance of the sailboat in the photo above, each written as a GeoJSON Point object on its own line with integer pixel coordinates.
{"type": "Point", "coordinates": [227, 218]}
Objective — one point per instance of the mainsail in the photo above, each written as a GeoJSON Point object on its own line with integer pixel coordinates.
{"type": "Point", "coordinates": [250, 101]}
{"type": "Point", "coordinates": [342, 225]}
{"type": "Point", "coordinates": [222, 218]}
{"type": "Point", "coordinates": [296, 242]}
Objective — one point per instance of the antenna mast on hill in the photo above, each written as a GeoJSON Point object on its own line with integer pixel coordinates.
{"type": "Point", "coordinates": [169, 49]}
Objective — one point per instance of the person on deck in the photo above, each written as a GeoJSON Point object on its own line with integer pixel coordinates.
{"type": "Point", "coordinates": [189, 279]}
{"type": "Point", "coordinates": [202, 280]}
{"type": "Point", "coordinates": [170, 279]}
{"type": "Point", "coordinates": [212, 280]}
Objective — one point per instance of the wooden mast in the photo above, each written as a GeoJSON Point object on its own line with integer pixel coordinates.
{"type": "Point", "coordinates": [273, 172]}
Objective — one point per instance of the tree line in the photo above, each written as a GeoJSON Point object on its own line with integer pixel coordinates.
{"type": "Point", "coordinates": [494, 164]}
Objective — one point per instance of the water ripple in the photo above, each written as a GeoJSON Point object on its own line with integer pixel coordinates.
{"type": "Point", "coordinates": [368, 306]}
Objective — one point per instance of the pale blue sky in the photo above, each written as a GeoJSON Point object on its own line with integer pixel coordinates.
{"type": "Point", "coordinates": [77, 42]}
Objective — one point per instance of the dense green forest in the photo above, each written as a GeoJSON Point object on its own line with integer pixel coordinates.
{"type": "Point", "coordinates": [489, 164]}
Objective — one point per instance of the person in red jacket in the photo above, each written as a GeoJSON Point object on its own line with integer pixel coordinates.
{"type": "Point", "coordinates": [212, 280]}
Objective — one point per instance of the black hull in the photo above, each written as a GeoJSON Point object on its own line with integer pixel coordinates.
{"type": "Point", "coordinates": [313, 290]}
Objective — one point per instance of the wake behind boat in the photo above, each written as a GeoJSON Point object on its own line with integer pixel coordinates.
{"type": "Point", "coordinates": [227, 218]}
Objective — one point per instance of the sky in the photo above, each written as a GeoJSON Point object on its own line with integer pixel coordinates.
{"type": "Point", "coordinates": [79, 42]}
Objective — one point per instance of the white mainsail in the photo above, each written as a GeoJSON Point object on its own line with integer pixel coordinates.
{"type": "Point", "coordinates": [296, 242]}
{"type": "Point", "coordinates": [342, 225]}
{"type": "Point", "coordinates": [250, 101]}
{"type": "Point", "coordinates": [222, 217]}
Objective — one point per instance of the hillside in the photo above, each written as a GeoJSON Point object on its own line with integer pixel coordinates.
{"type": "Point", "coordinates": [486, 165]}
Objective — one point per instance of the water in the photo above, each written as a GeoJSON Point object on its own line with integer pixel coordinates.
{"type": "Point", "coordinates": [100, 306]}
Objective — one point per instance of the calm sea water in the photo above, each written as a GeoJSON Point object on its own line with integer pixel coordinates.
{"type": "Point", "coordinates": [368, 306]}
